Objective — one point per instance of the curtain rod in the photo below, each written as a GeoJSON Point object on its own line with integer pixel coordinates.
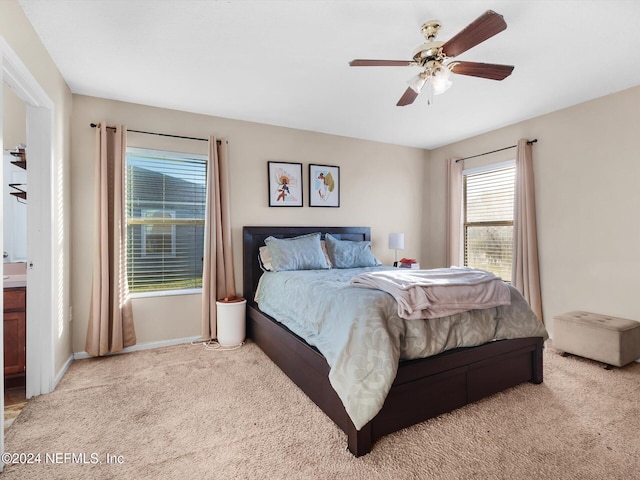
{"type": "Point", "coordinates": [494, 151]}
{"type": "Point", "coordinates": [94, 125]}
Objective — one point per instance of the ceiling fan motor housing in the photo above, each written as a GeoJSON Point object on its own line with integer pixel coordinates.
{"type": "Point", "coordinates": [427, 52]}
{"type": "Point", "coordinates": [432, 50]}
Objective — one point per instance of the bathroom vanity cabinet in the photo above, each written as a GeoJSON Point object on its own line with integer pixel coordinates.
{"type": "Point", "coordinates": [15, 331]}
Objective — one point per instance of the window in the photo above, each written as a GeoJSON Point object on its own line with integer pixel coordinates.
{"type": "Point", "coordinates": [165, 202]}
{"type": "Point", "coordinates": [488, 218]}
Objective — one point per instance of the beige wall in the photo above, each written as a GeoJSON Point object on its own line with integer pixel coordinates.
{"type": "Point", "coordinates": [14, 119]}
{"type": "Point", "coordinates": [587, 197]}
{"type": "Point", "coordinates": [19, 34]}
{"type": "Point", "coordinates": [381, 187]}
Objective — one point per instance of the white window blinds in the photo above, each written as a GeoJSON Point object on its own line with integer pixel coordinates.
{"type": "Point", "coordinates": [165, 202]}
{"type": "Point", "coordinates": [488, 220]}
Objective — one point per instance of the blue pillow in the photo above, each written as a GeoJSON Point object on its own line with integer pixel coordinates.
{"type": "Point", "coordinates": [297, 253]}
{"type": "Point", "coordinates": [349, 254]}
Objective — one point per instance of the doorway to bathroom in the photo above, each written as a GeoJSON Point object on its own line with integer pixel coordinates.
{"type": "Point", "coordinates": [45, 255]}
{"type": "Point", "coordinates": [14, 210]}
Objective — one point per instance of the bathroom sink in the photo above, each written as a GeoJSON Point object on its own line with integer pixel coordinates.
{"type": "Point", "coordinates": [15, 275]}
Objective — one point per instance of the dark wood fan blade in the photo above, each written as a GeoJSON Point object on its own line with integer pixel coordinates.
{"type": "Point", "coordinates": [407, 98]}
{"type": "Point", "coordinates": [491, 71]}
{"type": "Point", "coordinates": [380, 63]}
{"type": "Point", "coordinates": [485, 26]}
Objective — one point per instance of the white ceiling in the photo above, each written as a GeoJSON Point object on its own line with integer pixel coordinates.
{"type": "Point", "coordinates": [285, 62]}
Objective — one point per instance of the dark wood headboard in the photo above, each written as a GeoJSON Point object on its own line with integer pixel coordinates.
{"type": "Point", "coordinates": [253, 238]}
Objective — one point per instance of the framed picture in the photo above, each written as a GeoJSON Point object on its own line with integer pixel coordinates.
{"type": "Point", "coordinates": [285, 184]}
{"type": "Point", "coordinates": [324, 186]}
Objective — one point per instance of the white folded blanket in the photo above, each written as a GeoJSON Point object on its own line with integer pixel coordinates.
{"type": "Point", "coordinates": [438, 292]}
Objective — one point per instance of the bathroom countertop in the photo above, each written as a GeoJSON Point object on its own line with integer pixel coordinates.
{"type": "Point", "coordinates": [13, 281]}
{"type": "Point", "coordinates": [15, 275]}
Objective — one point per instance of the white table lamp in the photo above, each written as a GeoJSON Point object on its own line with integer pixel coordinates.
{"type": "Point", "coordinates": [396, 242]}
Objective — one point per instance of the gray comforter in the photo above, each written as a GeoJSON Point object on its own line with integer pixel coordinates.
{"type": "Point", "coordinates": [362, 337]}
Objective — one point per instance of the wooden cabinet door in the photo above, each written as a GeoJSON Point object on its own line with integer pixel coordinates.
{"type": "Point", "coordinates": [15, 299]}
{"type": "Point", "coordinates": [14, 343]}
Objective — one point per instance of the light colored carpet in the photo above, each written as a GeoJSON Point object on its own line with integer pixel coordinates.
{"type": "Point", "coordinates": [184, 412]}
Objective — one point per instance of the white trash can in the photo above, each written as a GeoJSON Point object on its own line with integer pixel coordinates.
{"type": "Point", "coordinates": [231, 313]}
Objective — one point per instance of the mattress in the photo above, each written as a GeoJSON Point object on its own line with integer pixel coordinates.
{"type": "Point", "coordinates": [362, 337]}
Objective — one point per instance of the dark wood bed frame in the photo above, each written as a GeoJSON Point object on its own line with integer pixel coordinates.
{"type": "Point", "coordinates": [422, 389]}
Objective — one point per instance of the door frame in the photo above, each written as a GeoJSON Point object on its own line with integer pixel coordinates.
{"type": "Point", "coordinates": [45, 234]}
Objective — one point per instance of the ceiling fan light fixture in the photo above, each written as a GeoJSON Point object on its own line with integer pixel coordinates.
{"type": "Point", "coordinates": [416, 83]}
{"type": "Point", "coordinates": [436, 79]}
{"type": "Point", "coordinates": [440, 80]}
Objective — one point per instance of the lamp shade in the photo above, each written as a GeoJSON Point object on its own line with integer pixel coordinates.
{"type": "Point", "coordinates": [396, 241]}
{"type": "Point", "coordinates": [416, 83]}
{"type": "Point", "coordinates": [440, 81]}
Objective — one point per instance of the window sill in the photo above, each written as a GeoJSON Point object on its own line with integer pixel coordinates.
{"type": "Point", "coordinates": [166, 293]}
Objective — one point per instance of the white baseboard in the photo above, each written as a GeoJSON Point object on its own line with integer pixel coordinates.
{"type": "Point", "coordinates": [142, 346]}
{"type": "Point", "coordinates": [62, 371]}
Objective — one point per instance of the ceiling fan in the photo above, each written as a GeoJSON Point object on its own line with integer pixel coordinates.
{"type": "Point", "coordinates": [433, 57]}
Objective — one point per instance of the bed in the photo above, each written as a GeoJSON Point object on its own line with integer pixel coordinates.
{"type": "Point", "coordinates": [458, 377]}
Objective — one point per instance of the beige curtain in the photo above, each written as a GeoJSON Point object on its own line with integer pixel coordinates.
{"type": "Point", "coordinates": [526, 275]}
{"type": "Point", "coordinates": [454, 211]}
{"type": "Point", "coordinates": [218, 281]}
{"type": "Point", "coordinates": [110, 317]}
